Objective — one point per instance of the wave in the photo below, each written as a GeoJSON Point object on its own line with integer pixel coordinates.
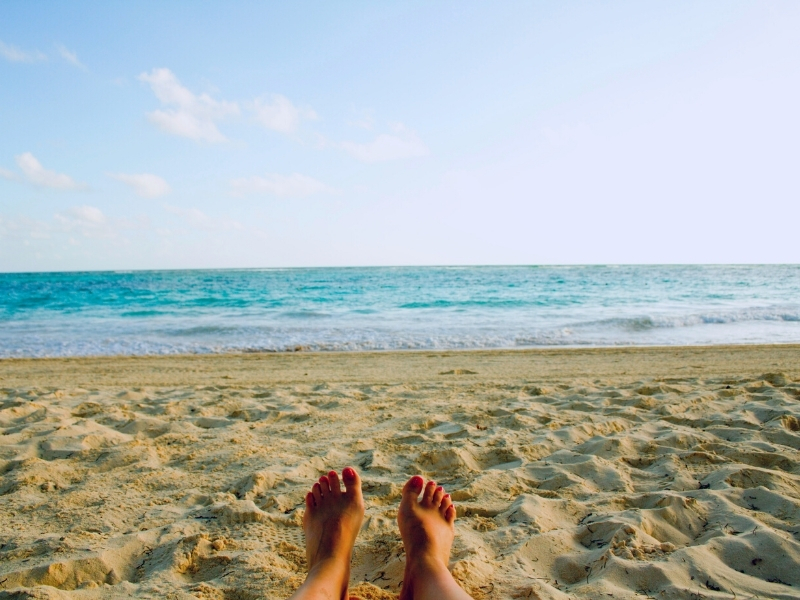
{"type": "Point", "coordinates": [647, 322]}
{"type": "Point", "coordinates": [493, 303]}
{"type": "Point", "coordinates": [143, 313]}
{"type": "Point", "coordinates": [408, 308]}
{"type": "Point", "coordinates": [385, 341]}
{"type": "Point", "coordinates": [305, 314]}
{"type": "Point", "coordinates": [204, 330]}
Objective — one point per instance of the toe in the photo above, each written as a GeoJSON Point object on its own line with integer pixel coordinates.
{"type": "Point", "coordinates": [450, 514]}
{"type": "Point", "coordinates": [413, 487]}
{"type": "Point", "coordinates": [310, 502]}
{"type": "Point", "coordinates": [352, 483]}
{"type": "Point", "coordinates": [446, 503]}
{"type": "Point", "coordinates": [427, 495]}
{"type": "Point", "coordinates": [316, 491]}
{"type": "Point", "coordinates": [326, 488]}
{"type": "Point", "coordinates": [333, 482]}
{"type": "Point", "coordinates": [438, 494]}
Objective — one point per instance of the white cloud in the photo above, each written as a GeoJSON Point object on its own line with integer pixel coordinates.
{"type": "Point", "coordinates": [192, 116]}
{"type": "Point", "coordinates": [279, 114]}
{"type": "Point", "coordinates": [70, 57]}
{"type": "Point", "coordinates": [405, 143]}
{"type": "Point", "coordinates": [88, 221]}
{"type": "Point", "coordinates": [200, 220]}
{"type": "Point", "coordinates": [144, 184]}
{"type": "Point", "coordinates": [279, 185]}
{"type": "Point", "coordinates": [22, 228]}
{"type": "Point", "coordinates": [6, 174]}
{"type": "Point", "coordinates": [67, 227]}
{"type": "Point", "coordinates": [91, 222]}
{"type": "Point", "coordinates": [196, 116]}
{"type": "Point", "coordinates": [365, 120]}
{"type": "Point", "coordinates": [36, 174]}
{"type": "Point", "coordinates": [14, 54]}
{"type": "Point", "coordinates": [86, 216]}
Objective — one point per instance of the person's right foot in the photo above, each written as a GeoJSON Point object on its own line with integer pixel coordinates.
{"type": "Point", "coordinates": [427, 528]}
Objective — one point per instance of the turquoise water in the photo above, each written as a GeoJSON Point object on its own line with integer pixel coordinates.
{"type": "Point", "coordinates": [337, 309]}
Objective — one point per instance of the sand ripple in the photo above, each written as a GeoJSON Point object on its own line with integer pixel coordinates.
{"type": "Point", "coordinates": [668, 488]}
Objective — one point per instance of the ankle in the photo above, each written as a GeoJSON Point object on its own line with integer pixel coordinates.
{"type": "Point", "coordinates": [424, 566]}
{"type": "Point", "coordinates": [334, 568]}
{"type": "Point", "coordinates": [424, 577]}
{"type": "Point", "coordinates": [334, 554]}
{"type": "Point", "coordinates": [325, 580]}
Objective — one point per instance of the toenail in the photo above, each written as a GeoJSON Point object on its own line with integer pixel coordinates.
{"type": "Point", "coordinates": [439, 488]}
{"type": "Point", "coordinates": [332, 474]}
{"type": "Point", "coordinates": [417, 481]}
{"type": "Point", "coordinates": [349, 473]}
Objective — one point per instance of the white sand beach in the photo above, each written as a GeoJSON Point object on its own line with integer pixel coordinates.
{"type": "Point", "coordinates": [608, 473]}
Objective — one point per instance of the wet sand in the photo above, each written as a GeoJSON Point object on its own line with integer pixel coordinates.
{"type": "Point", "coordinates": [625, 473]}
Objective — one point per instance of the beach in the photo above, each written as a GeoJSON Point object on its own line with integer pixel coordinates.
{"type": "Point", "coordinates": [657, 472]}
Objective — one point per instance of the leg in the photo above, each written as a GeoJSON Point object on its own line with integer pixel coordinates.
{"type": "Point", "coordinates": [331, 523]}
{"type": "Point", "coordinates": [426, 527]}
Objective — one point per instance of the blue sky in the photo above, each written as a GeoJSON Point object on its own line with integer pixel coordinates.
{"type": "Point", "coordinates": [198, 134]}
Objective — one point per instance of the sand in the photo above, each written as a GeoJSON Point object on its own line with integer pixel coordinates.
{"type": "Point", "coordinates": [614, 473]}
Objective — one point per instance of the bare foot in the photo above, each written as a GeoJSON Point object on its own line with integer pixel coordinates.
{"type": "Point", "coordinates": [331, 523]}
{"type": "Point", "coordinates": [427, 528]}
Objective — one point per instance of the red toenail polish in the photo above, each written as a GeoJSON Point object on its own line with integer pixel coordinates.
{"type": "Point", "coordinates": [417, 481]}
{"type": "Point", "coordinates": [332, 474]}
{"type": "Point", "coordinates": [349, 473]}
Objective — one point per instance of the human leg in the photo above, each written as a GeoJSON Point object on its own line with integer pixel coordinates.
{"type": "Point", "coordinates": [427, 528]}
{"type": "Point", "coordinates": [331, 523]}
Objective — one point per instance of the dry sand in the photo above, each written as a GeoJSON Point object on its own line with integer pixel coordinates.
{"type": "Point", "coordinates": [624, 473]}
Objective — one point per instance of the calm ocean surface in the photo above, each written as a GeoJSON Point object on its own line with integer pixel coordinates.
{"type": "Point", "coordinates": [163, 312]}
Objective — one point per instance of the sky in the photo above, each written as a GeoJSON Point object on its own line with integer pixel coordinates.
{"type": "Point", "coordinates": [168, 135]}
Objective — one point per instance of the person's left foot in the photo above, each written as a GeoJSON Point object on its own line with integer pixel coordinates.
{"type": "Point", "coordinates": [331, 523]}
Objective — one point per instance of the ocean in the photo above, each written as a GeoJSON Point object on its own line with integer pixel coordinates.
{"type": "Point", "coordinates": [402, 308]}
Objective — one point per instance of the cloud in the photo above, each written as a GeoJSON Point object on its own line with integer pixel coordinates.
{"type": "Point", "coordinates": [14, 54]}
{"type": "Point", "coordinates": [190, 115]}
{"type": "Point", "coordinates": [6, 174]}
{"type": "Point", "coordinates": [144, 184]}
{"type": "Point", "coordinates": [36, 174]}
{"type": "Point", "coordinates": [196, 116]}
{"type": "Point", "coordinates": [403, 144]}
{"type": "Point", "coordinates": [70, 57]}
{"type": "Point", "coordinates": [280, 185]}
{"type": "Point", "coordinates": [21, 228]}
{"type": "Point", "coordinates": [67, 226]}
{"type": "Point", "coordinates": [200, 220]}
{"type": "Point", "coordinates": [85, 216]}
{"type": "Point", "coordinates": [88, 221]}
{"type": "Point", "coordinates": [366, 120]}
{"type": "Point", "coordinates": [279, 114]}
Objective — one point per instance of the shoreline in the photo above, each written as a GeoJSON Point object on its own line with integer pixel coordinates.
{"type": "Point", "coordinates": [628, 362]}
